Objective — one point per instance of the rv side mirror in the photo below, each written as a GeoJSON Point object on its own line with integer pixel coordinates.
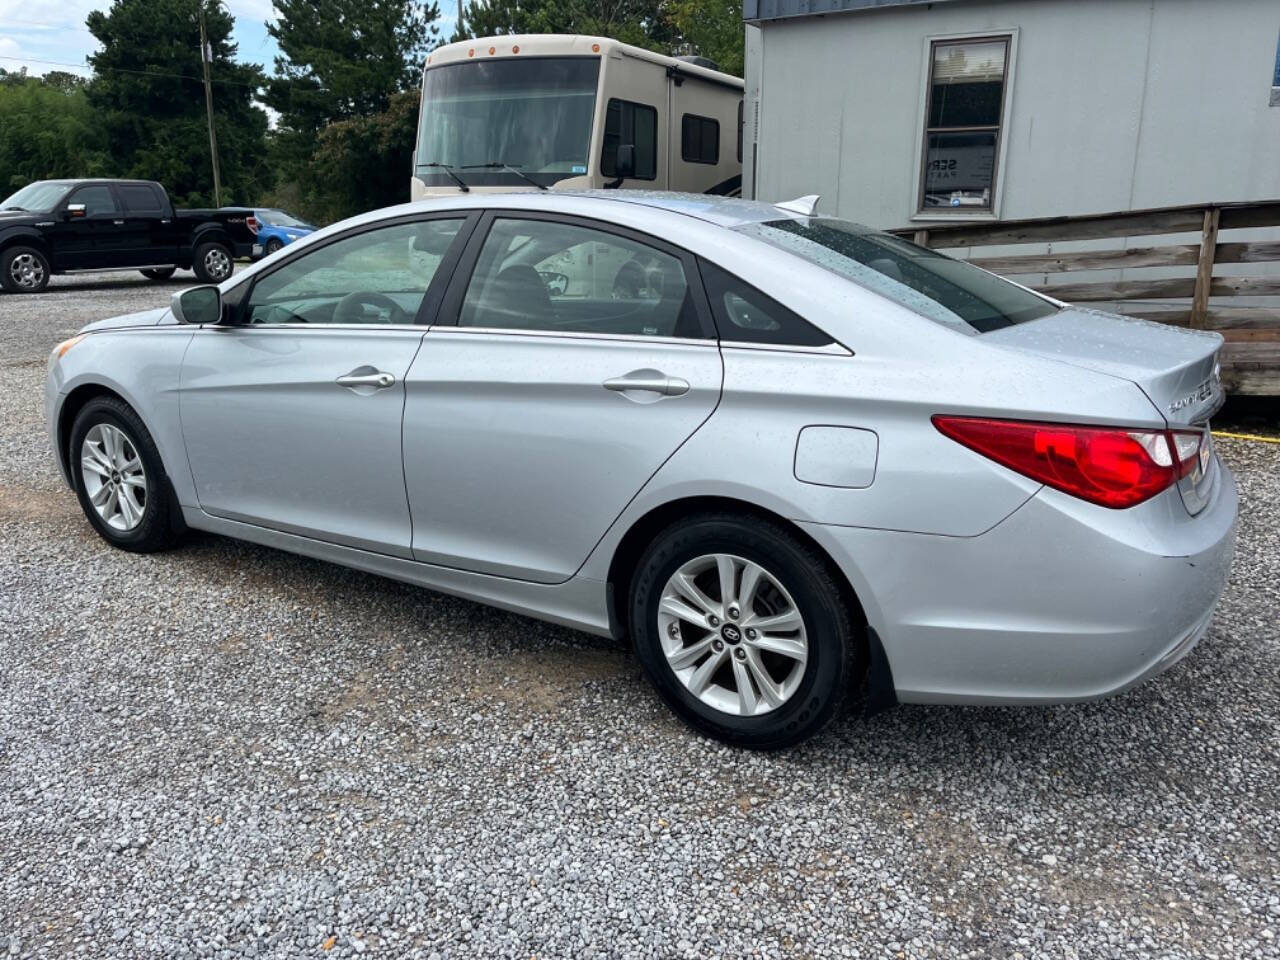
{"type": "Point", "coordinates": [197, 305]}
{"type": "Point", "coordinates": [625, 165]}
{"type": "Point", "coordinates": [75, 211]}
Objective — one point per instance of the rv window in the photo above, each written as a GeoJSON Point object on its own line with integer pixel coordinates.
{"type": "Point", "coordinates": [634, 123]}
{"type": "Point", "coordinates": [962, 127]}
{"type": "Point", "coordinates": [699, 139]}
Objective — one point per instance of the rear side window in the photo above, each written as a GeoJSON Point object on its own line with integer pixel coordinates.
{"type": "Point", "coordinates": [745, 315]}
{"type": "Point", "coordinates": [699, 139]}
{"type": "Point", "coordinates": [140, 198]}
{"type": "Point", "coordinates": [630, 123]}
{"type": "Point", "coordinates": [951, 292]}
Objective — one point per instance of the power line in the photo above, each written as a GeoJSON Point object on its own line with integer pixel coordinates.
{"type": "Point", "coordinates": [140, 73]}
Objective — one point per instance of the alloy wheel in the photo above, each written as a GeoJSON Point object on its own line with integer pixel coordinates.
{"type": "Point", "coordinates": [27, 271]}
{"type": "Point", "coordinates": [732, 634]}
{"type": "Point", "coordinates": [114, 478]}
{"type": "Point", "coordinates": [217, 264]}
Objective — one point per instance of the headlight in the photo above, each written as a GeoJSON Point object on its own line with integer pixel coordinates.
{"type": "Point", "coordinates": [66, 345]}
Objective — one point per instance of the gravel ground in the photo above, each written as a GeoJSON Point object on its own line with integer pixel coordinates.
{"type": "Point", "coordinates": [231, 751]}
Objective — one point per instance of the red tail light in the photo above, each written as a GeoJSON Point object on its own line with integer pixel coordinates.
{"type": "Point", "coordinates": [1110, 466]}
{"type": "Point", "coordinates": [252, 223]}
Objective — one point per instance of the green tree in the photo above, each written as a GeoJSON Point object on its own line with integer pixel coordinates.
{"type": "Point", "coordinates": [638, 22]}
{"type": "Point", "coordinates": [712, 28]}
{"type": "Point", "coordinates": [341, 60]}
{"type": "Point", "coordinates": [47, 130]}
{"type": "Point", "coordinates": [148, 97]}
{"type": "Point", "coordinates": [364, 162]}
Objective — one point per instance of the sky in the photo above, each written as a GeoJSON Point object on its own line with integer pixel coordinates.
{"type": "Point", "coordinates": [44, 35]}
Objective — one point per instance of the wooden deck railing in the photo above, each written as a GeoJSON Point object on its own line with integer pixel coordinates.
{"type": "Point", "coordinates": [1251, 356]}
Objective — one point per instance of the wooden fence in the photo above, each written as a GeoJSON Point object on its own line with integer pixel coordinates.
{"type": "Point", "coordinates": [1251, 355]}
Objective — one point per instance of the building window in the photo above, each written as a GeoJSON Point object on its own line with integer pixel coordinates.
{"type": "Point", "coordinates": [699, 139]}
{"type": "Point", "coordinates": [630, 123]}
{"type": "Point", "coordinates": [962, 125]}
{"type": "Point", "coordinates": [1275, 80]}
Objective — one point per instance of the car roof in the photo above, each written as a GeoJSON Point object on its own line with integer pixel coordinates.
{"type": "Point", "coordinates": [721, 210]}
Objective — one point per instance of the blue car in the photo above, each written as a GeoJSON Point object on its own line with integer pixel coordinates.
{"type": "Point", "coordinates": [275, 228]}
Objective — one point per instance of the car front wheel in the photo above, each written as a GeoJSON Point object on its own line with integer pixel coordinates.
{"type": "Point", "coordinates": [24, 270]}
{"type": "Point", "coordinates": [119, 478]}
{"type": "Point", "coordinates": [743, 630]}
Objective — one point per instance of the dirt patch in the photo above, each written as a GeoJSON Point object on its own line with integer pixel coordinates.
{"type": "Point", "coordinates": [23, 503]}
{"type": "Point", "coordinates": [545, 680]}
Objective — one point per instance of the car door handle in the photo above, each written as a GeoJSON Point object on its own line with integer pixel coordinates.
{"type": "Point", "coordinates": [118, 223]}
{"type": "Point", "coordinates": [650, 381]}
{"type": "Point", "coordinates": [378, 380]}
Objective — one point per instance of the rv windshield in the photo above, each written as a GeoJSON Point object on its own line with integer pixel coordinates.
{"type": "Point", "coordinates": [532, 114]}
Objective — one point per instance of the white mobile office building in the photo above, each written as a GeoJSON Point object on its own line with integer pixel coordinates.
{"type": "Point", "coordinates": [905, 112]}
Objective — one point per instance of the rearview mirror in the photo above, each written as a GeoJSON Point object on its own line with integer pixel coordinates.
{"type": "Point", "coordinates": [197, 305]}
{"type": "Point", "coordinates": [75, 210]}
{"type": "Point", "coordinates": [625, 164]}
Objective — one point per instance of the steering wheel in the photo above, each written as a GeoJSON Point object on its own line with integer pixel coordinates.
{"type": "Point", "coordinates": [350, 309]}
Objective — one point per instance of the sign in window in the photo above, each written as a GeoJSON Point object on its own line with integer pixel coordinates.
{"type": "Point", "coordinates": [963, 123]}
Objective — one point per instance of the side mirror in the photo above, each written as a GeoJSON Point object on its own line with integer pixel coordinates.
{"type": "Point", "coordinates": [625, 164]}
{"type": "Point", "coordinates": [76, 210]}
{"type": "Point", "coordinates": [197, 305]}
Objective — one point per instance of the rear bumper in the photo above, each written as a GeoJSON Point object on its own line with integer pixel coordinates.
{"type": "Point", "coordinates": [1062, 601]}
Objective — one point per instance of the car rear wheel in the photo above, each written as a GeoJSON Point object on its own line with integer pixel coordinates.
{"type": "Point", "coordinates": [158, 273]}
{"type": "Point", "coordinates": [213, 263]}
{"type": "Point", "coordinates": [119, 479]}
{"type": "Point", "coordinates": [24, 270]}
{"type": "Point", "coordinates": [272, 246]}
{"type": "Point", "coordinates": [743, 629]}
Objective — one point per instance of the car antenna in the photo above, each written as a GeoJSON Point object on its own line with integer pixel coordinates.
{"type": "Point", "coordinates": [806, 206]}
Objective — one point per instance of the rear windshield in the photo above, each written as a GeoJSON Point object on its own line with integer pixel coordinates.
{"type": "Point", "coordinates": [948, 291]}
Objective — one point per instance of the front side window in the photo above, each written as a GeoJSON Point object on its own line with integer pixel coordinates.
{"type": "Point", "coordinates": [951, 292]}
{"type": "Point", "coordinates": [97, 199]}
{"type": "Point", "coordinates": [378, 276]}
{"type": "Point", "coordinates": [962, 128]}
{"type": "Point", "coordinates": [630, 123]}
{"type": "Point", "coordinates": [699, 139]}
{"type": "Point", "coordinates": [565, 278]}
{"type": "Point", "coordinates": [532, 113]}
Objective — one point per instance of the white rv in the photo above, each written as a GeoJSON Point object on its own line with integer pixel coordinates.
{"type": "Point", "coordinates": [574, 113]}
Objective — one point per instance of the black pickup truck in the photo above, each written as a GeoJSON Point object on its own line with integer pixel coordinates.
{"type": "Point", "coordinates": [63, 226]}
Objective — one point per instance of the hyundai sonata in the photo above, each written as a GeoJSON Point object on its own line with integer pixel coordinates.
{"type": "Point", "coordinates": [786, 456]}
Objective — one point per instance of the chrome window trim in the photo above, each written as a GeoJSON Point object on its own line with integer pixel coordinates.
{"type": "Point", "coordinates": [832, 349]}
{"type": "Point", "coordinates": [570, 335]}
{"type": "Point", "coordinates": [302, 327]}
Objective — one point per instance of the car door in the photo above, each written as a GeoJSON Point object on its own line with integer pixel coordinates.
{"type": "Point", "coordinates": [146, 236]}
{"type": "Point", "coordinates": [90, 239]}
{"type": "Point", "coordinates": [571, 360]}
{"type": "Point", "coordinates": [292, 414]}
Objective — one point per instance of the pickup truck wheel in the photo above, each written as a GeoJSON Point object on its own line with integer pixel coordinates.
{"type": "Point", "coordinates": [213, 263]}
{"type": "Point", "coordinates": [159, 273]}
{"type": "Point", "coordinates": [24, 270]}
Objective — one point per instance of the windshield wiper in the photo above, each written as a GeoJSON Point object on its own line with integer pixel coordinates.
{"type": "Point", "coordinates": [499, 165]}
{"type": "Point", "coordinates": [462, 184]}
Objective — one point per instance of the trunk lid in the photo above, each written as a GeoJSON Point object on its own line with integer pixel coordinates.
{"type": "Point", "coordinates": [1176, 368]}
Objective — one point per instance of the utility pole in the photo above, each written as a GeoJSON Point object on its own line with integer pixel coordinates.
{"type": "Point", "coordinates": [459, 30]}
{"type": "Point", "coordinates": [206, 54]}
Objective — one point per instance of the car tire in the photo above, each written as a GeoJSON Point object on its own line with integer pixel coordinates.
{"type": "Point", "coordinates": [273, 245]}
{"type": "Point", "coordinates": [213, 263]}
{"type": "Point", "coordinates": [130, 507]}
{"type": "Point", "coordinates": [24, 270]}
{"type": "Point", "coordinates": [159, 273]}
{"type": "Point", "coordinates": [810, 665]}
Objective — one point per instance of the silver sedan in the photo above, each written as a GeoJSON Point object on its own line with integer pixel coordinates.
{"type": "Point", "coordinates": [801, 465]}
